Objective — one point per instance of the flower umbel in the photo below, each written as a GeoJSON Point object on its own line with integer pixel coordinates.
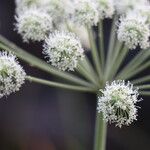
{"type": "Point", "coordinates": [64, 50]}
{"type": "Point", "coordinates": [134, 31]}
{"type": "Point", "coordinates": [12, 75]}
{"type": "Point", "coordinates": [118, 103]}
{"type": "Point", "coordinates": [85, 12]}
{"type": "Point", "coordinates": [105, 8]}
{"type": "Point", "coordinates": [34, 25]}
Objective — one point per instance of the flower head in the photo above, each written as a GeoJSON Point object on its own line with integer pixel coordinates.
{"type": "Point", "coordinates": [34, 25]}
{"type": "Point", "coordinates": [12, 75]}
{"type": "Point", "coordinates": [134, 31]}
{"type": "Point", "coordinates": [118, 103]}
{"type": "Point", "coordinates": [123, 6]}
{"type": "Point", "coordinates": [105, 8]}
{"type": "Point", "coordinates": [23, 5]}
{"type": "Point", "coordinates": [85, 12]}
{"type": "Point", "coordinates": [143, 10]}
{"type": "Point", "coordinates": [63, 50]}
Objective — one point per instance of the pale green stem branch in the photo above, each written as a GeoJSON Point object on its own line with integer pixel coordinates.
{"type": "Point", "coordinates": [111, 42]}
{"type": "Point", "coordinates": [145, 93]}
{"type": "Point", "coordinates": [136, 71]}
{"type": "Point", "coordinates": [101, 43]}
{"type": "Point", "coordinates": [109, 70]}
{"type": "Point", "coordinates": [137, 60]}
{"type": "Point", "coordinates": [141, 80]}
{"type": "Point", "coordinates": [118, 62]}
{"type": "Point", "coordinates": [144, 87]}
{"type": "Point", "coordinates": [36, 62]}
{"type": "Point", "coordinates": [59, 85]}
{"type": "Point", "coordinates": [94, 52]}
{"type": "Point", "coordinates": [86, 74]}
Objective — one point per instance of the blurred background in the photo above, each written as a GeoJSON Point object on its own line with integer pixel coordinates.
{"type": "Point", "coordinates": [43, 118]}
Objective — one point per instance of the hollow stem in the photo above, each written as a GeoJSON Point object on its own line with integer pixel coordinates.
{"type": "Point", "coordinates": [100, 133]}
{"type": "Point", "coordinates": [141, 80]}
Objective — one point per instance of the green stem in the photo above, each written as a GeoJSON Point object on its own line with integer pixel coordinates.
{"type": "Point", "coordinates": [141, 80]}
{"type": "Point", "coordinates": [144, 87]}
{"type": "Point", "coordinates": [145, 93]}
{"type": "Point", "coordinates": [111, 42]}
{"type": "Point", "coordinates": [136, 71]}
{"type": "Point", "coordinates": [109, 70]}
{"type": "Point", "coordinates": [34, 61]}
{"type": "Point", "coordinates": [94, 52]}
{"type": "Point", "coordinates": [100, 133]}
{"type": "Point", "coordinates": [59, 85]}
{"type": "Point", "coordinates": [101, 43]}
{"type": "Point", "coordinates": [118, 62]}
{"type": "Point", "coordinates": [137, 60]}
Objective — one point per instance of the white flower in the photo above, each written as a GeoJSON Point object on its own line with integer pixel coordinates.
{"type": "Point", "coordinates": [12, 75]}
{"type": "Point", "coordinates": [85, 12]}
{"type": "Point", "coordinates": [34, 25]}
{"type": "Point", "coordinates": [123, 6]}
{"type": "Point", "coordinates": [143, 10]}
{"type": "Point", "coordinates": [118, 103]}
{"type": "Point", "coordinates": [106, 8]}
{"type": "Point", "coordinates": [63, 50]}
{"type": "Point", "coordinates": [23, 5]}
{"type": "Point", "coordinates": [134, 31]}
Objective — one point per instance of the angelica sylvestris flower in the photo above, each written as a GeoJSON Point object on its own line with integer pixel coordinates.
{"type": "Point", "coordinates": [123, 6]}
{"type": "Point", "coordinates": [22, 5]}
{"type": "Point", "coordinates": [118, 103]}
{"type": "Point", "coordinates": [34, 25]}
{"type": "Point", "coordinates": [63, 50]}
{"type": "Point", "coordinates": [134, 31]}
{"type": "Point", "coordinates": [85, 12]}
{"type": "Point", "coordinates": [144, 10]}
{"type": "Point", "coordinates": [12, 75]}
{"type": "Point", "coordinates": [106, 8]}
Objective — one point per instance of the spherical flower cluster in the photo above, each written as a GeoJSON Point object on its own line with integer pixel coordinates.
{"type": "Point", "coordinates": [63, 50]}
{"type": "Point", "coordinates": [23, 5]}
{"type": "Point", "coordinates": [34, 25]}
{"type": "Point", "coordinates": [134, 31]}
{"type": "Point", "coordinates": [85, 12]}
{"type": "Point", "coordinates": [12, 75]}
{"type": "Point", "coordinates": [124, 6]}
{"type": "Point", "coordinates": [118, 103]}
{"type": "Point", "coordinates": [143, 10]}
{"type": "Point", "coordinates": [106, 8]}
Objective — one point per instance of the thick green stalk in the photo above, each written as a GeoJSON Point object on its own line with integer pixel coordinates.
{"type": "Point", "coordinates": [36, 62]}
{"type": "Point", "coordinates": [100, 133]}
{"type": "Point", "coordinates": [60, 85]}
{"type": "Point", "coordinates": [101, 43]}
{"type": "Point", "coordinates": [94, 52]}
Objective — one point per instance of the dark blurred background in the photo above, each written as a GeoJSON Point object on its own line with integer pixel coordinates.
{"type": "Point", "coordinates": [42, 118]}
